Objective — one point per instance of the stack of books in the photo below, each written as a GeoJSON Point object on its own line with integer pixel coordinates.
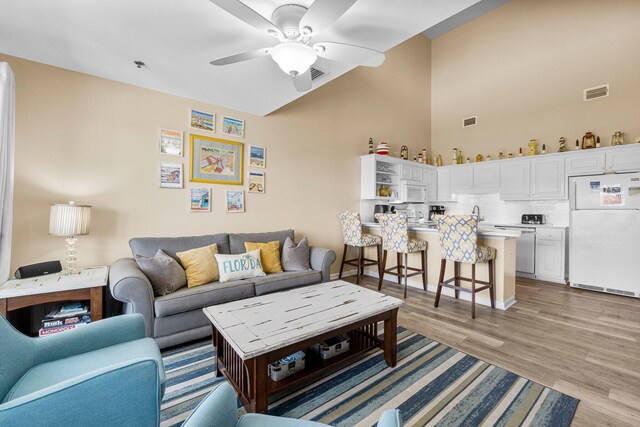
{"type": "Point", "coordinates": [64, 317]}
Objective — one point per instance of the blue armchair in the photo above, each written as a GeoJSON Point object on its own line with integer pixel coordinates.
{"type": "Point", "coordinates": [220, 409]}
{"type": "Point", "coordinates": [106, 373]}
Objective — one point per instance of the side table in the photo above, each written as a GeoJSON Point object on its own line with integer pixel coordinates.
{"type": "Point", "coordinates": [20, 293]}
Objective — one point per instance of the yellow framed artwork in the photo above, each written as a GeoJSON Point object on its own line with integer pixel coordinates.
{"type": "Point", "coordinates": [216, 161]}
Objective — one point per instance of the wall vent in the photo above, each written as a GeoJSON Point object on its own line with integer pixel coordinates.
{"type": "Point", "coordinates": [316, 74]}
{"type": "Point", "coordinates": [470, 121]}
{"type": "Point", "coordinates": [596, 92]}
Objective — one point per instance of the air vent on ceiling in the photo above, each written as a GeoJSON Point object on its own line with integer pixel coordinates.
{"type": "Point", "coordinates": [470, 121]}
{"type": "Point", "coordinates": [596, 92]}
{"type": "Point", "coordinates": [316, 74]}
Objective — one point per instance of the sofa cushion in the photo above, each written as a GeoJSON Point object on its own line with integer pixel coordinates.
{"type": "Point", "coordinates": [240, 266]}
{"type": "Point", "coordinates": [148, 246]}
{"type": "Point", "coordinates": [287, 280]}
{"type": "Point", "coordinates": [164, 273]}
{"type": "Point", "coordinates": [187, 299]}
{"type": "Point", "coordinates": [237, 241]}
{"type": "Point", "coordinates": [200, 265]}
{"type": "Point", "coordinates": [51, 373]}
{"type": "Point", "coordinates": [269, 255]}
{"type": "Point", "coordinates": [295, 257]}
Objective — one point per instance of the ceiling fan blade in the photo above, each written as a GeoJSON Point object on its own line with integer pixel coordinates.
{"type": "Point", "coordinates": [349, 54]}
{"type": "Point", "coordinates": [323, 13]}
{"type": "Point", "coordinates": [302, 82]}
{"type": "Point", "coordinates": [241, 57]}
{"type": "Point", "coordinates": [248, 15]}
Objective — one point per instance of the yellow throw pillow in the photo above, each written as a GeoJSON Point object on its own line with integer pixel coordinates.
{"type": "Point", "coordinates": [200, 265]}
{"type": "Point", "coordinates": [269, 255]}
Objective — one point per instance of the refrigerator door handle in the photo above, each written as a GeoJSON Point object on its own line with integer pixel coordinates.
{"type": "Point", "coordinates": [572, 194]}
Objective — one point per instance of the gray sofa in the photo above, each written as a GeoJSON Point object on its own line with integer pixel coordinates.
{"type": "Point", "coordinates": [177, 318]}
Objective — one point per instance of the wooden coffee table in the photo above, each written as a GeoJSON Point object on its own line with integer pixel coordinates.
{"type": "Point", "coordinates": [251, 333]}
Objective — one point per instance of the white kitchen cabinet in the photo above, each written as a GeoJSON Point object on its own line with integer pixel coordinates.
{"type": "Point", "coordinates": [378, 171]}
{"type": "Point", "coordinates": [412, 173]}
{"type": "Point", "coordinates": [461, 178]}
{"type": "Point", "coordinates": [551, 254]}
{"type": "Point", "coordinates": [548, 179]}
{"type": "Point", "coordinates": [431, 182]}
{"type": "Point", "coordinates": [541, 178]}
{"type": "Point", "coordinates": [444, 185]}
{"type": "Point", "coordinates": [516, 179]}
{"type": "Point", "coordinates": [486, 177]}
{"type": "Point", "coordinates": [624, 159]}
{"type": "Point", "coordinates": [587, 163]}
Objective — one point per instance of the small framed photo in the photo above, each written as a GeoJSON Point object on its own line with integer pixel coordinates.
{"type": "Point", "coordinates": [235, 201]}
{"type": "Point", "coordinates": [257, 156]}
{"type": "Point", "coordinates": [233, 127]}
{"type": "Point", "coordinates": [171, 142]}
{"type": "Point", "coordinates": [200, 200]}
{"type": "Point", "coordinates": [202, 121]}
{"type": "Point", "coordinates": [256, 182]}
{"type": "Point", "coordinates": [171, 175]}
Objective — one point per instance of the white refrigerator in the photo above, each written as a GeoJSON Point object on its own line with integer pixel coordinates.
{"type": "Point", "coordinates": [604, 233]}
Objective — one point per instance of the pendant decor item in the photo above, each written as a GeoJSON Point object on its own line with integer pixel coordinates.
{"type": "Point", "coordinates": [382, 149]}
{"type": "Point", "coordinates": [617, 138]}
{"type": "Point", "coordinates": [562, 145]}
{"type": "Point", "coordinates": [577, 144]}
{"type": "Point", "coordinates": [479, 158]}
{"type": "Point", "coordinates": [439, 160]}
{"type": "Point", "coordinates": [370, 145]}
{"type": "Point", "coordinates": [404, 152]}
{"type": "Point", "coordinates": [589, 141]}
{"type": "Point", "coordinates": [533, 144]}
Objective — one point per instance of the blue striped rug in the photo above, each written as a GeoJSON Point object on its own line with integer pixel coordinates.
{"type": "Point", "coordinates": [432, 385]}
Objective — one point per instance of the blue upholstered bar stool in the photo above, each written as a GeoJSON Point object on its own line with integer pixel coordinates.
{"type": "Point", "coordinates": [353, 236]}
{"type": "Point", "coordinates": [395, 238]}
{"type": "Point", "coordinates": [458, 236]}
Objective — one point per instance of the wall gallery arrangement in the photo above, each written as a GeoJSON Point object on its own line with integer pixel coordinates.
{"type": "Point", "coordinates": [211, 161]}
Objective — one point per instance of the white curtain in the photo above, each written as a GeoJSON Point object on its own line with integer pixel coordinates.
{"type": "Point", "coordinates": [7, 146]}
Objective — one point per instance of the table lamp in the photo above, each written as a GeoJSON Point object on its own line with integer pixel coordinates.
{"type": "Point", "coordinates": [70, 220]}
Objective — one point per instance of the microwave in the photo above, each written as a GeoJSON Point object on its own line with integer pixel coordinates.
{"type": "Point", "coordinates": [412, 193]}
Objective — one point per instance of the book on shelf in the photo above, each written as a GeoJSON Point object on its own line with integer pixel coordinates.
{"type": "Point", "coordinates": [50, 331]}
{"type": "Point", "coordinates": [67, 309]}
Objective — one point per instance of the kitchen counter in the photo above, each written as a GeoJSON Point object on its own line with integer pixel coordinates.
{"type": "Point", "coordinates": [503, 241]}
{"type": "Point", "coordinates": [484, 230]}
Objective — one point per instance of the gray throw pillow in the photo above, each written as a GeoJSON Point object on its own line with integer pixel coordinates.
{"type": "Point", "coordinates": [164, 273]}
{"type": "Point", "coordinates": [295, 258]}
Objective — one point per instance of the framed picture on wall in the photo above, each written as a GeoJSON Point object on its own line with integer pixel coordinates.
{"type": "Point", "coordinates": [171, 142]}
{"type": "Point", "coordinates": [170, 175]}
{"type": "Point", "coordinates": [235, 201]}
{"type": "Point", "coordinates": [216, 161]}
{"type": "Point", "coordinates": [201, 120]}
{"type": "Point", "coordinates": [200, 200]}
{"type": "Point", "coordinates": [257, 156]}
{"type": "Point", "coordinates": [256, 182]}
{"type": "Point", "coordinates": [233, 127]}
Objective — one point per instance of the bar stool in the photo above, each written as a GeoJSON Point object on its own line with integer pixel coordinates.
{"type": "Point", "coordinates": [395, 238]}
{"type": "Point", "coordinates": [458, 236]}
{"type": "Point", "coordinates": [353, 236]}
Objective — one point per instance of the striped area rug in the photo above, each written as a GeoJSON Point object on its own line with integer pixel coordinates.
{"type": "Point", "coordinates": [432, 384]}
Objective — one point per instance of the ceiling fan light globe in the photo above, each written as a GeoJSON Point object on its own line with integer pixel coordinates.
{"type": "Point", "coordinates": [294, 57]}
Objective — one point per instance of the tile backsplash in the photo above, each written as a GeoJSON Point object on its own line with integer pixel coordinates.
{"type": "Point", "coordinates": [496, 211]}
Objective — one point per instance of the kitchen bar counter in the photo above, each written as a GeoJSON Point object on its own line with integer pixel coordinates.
{"type": "Point", "coordinates": [504, 241]}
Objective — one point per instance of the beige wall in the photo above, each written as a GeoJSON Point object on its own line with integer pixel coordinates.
{"type": "Point", "coordinates": [94, 141]}
{"type": "Point", "coordinates": [522, 69]}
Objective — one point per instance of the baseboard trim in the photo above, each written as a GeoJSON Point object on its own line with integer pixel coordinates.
{"type": "Point", "coordinates": [417, 283]}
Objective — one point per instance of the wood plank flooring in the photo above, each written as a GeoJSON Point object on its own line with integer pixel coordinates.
{"type": "Point", "coordinates": [582, 343]}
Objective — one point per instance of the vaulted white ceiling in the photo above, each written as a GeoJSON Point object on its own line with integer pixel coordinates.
{"type": "Point", "coordinates": [178, 38]}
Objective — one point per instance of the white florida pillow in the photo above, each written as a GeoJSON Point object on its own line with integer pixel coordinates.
{"type": "Point", "coordinates": [241, 266]}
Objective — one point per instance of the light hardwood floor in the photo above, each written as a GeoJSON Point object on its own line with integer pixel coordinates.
{"type": "Point", "coordinates": [585, 344]}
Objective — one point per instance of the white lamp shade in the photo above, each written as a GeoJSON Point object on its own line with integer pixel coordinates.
{"type": "Point", "coordinates": [294, 57]}
{"type": "Point", "coordinates": [69, 219]}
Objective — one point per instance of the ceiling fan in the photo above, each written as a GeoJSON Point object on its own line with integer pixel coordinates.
{"type": "Point", "coordinates": [294, 26]}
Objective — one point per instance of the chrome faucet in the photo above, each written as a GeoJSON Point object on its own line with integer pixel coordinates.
{"type": "Point", "coordinates": [473, 212]}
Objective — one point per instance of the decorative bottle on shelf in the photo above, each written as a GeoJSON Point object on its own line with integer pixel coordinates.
{"type": "Point", "coordinates": [544, 149]}
{"type": "Point", "coordinates": [370, 145]}
{"type": "Point", "coordinates": [577, 144]}
{"type": "Point", "coordinates": [510, 155]}
{"type": "Point", "coordinates": [468, 160]}
{"type": "Point", "coordinates": [429, 162]}
{"type": "Point", "coordinates": [488, 158]}
{"type": "Point", "coordinates": [415, 158]}
{"type": "Point", "coordinates": [454, 159]}
{"type": "Point", "coordinates": [533, 144]}
{"type": "Point", "coordinates": [500, 155]}
{"type": "Point", "coordinates": [562, 145]}
{"type": "Point", "coordinates": [459, 159]}
{"type": "Point", "coordinates": [478, 158]}
{"type": "Point", "coordinates": [598, 142]}
{"type": "Point", "coordinates": [419, 157]}
{"type": "Point", "coordinates": [425, 158]}
{"type": "Point", "coordinates": [439, 160]}
{"type": "Point", "coordinates": [520, 152]}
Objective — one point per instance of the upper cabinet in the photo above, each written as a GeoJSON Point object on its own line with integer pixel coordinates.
{"type": "Point", "coordinates": [388, 178]}
{"type": "Point", "coordinates": [587, 163]}
{"type": "Point", "coordinates": [624, 159]}
{"type": "Point", "coordinates": [540, 178]}
{"type": "Point", "coordinates": [444, 185]}
{"type": "Point", "coordinates": [413, 173]}
{"type": "Point", "coordinates": [475, 178]}
{"type": "Point", "coordinates": [461, 179]}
